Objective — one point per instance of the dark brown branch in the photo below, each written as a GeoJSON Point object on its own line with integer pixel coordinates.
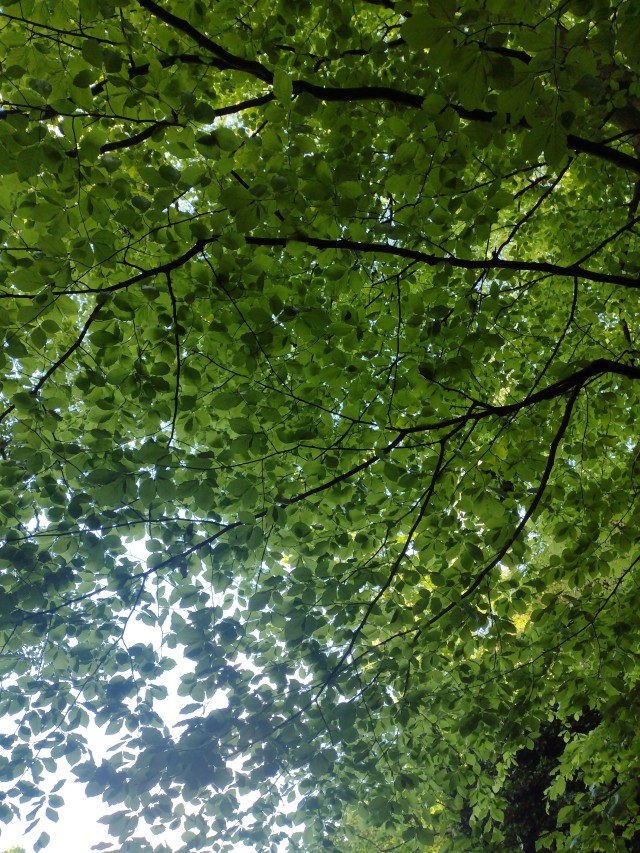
{"type": "Point", "coordinates": [385, 4]}
{"type": "Point", "coordinates": [424, 506]}
{"type": "Point", "coordinates": [352, 94]}
{"type": "Point", "coordinates": [572, 385]}
{"type": "Point", "coordinates": [233, 62]}
{"type": "Point", "coordinates": [136, 139]}
{"type": "Point", "coordinates": [169, 562]}
{"type": "Point", "coordinates": [166, 62]}
{"type": "Point", "coordinates": [527, 216]}
{"type": "Point", "coordinates": [509, 52]}
{"type": "Point", "coordinates": [76, 33]}
{"type": "Point", "coordinates": [60, 361]}
{"type": "Point", "coordinates": [544, 267]}
{"type": "Point", "coordinates": [250, 103]}
{"type": "Point", "coordinates": [544, 480]}
{"type": "Point", "coordinates": [74, 346]}
{"type": "Point", "coordinates": [626, 227]}
{"type": "Point", "coordinates": [409, 99]}
{"type": "Point", "coordinates": [360, 93]}
{"type": "Point", "coordinates": [569, 384]}
{"type": "Point", "coordinates": [558, 343]}
{"type": "Point", "coordinates": [46, 113]}
{"type": "Point", "coordinates": [159, 270]}
{"type": "Point", "coordinates": [367, 93]}
{"type": "Point", "coordinates": [599, 149]}
{"type": "Point", "coordinates": [176, 338]}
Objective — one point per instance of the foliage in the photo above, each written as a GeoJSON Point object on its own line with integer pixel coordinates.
{"type": "Point", "coordinates": [335, 306]}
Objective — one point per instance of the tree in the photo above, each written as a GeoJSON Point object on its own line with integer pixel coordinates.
{"type": "Point", "coordinates": [335, 307]}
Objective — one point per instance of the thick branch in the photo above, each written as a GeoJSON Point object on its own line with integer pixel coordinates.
{"type": "Point", "coordinates": [367, 93]}
{"type": "Point", "coordinates": [129, 141]}
{"type": "Point", "coordinates": [233, 62]}
{"type": "Point", "coordinates": [599, 149]}
{"type": "Point", "coordinates": [544, 267]}
{"type": "Point", "coordinates": [570, 385]}
{"type": "Point", "coordinates": [573, 271]}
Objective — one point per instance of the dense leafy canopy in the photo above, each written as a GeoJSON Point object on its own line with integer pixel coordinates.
{"type": "Point", "coordinates": [336, 306]}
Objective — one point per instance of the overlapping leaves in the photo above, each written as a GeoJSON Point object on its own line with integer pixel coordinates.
{"type": "Point", "coordinates": [336, 310]}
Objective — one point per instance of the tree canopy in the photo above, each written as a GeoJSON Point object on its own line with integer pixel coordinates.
{"type": "Point", "coordinates": [335, 307]}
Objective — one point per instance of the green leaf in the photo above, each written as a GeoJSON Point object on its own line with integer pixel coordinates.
{"type": "Point", "coordinates": [84, 78]}
{"type": "Point", "coordinates": [42, 842]}
{"type": "Point", "coordinates": [555, 149]}
{"type": "Point", "coordinates": [422, 30]}
{"type": "Point", "coordinates": [283, 86]}
{"type": "Point", "coordinates": [235, 197]}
